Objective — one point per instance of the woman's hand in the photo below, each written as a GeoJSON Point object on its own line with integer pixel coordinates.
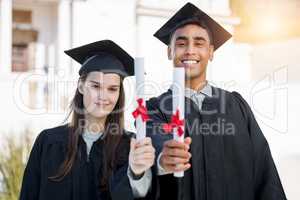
{"type": "Point", "coordinates": [141, 156]}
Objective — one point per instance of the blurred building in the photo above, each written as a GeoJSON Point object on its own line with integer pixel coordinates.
{"type": "Point", "coordinates": [38, 79]}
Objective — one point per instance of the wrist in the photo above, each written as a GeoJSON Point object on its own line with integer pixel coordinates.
{"type": "Point", "coordinates": [136, 176]}
{"type": "Point", "coordinates": [160, 163]}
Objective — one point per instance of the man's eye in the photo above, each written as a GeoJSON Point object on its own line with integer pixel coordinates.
{"type": "Point", "coordinates": [95, 86]}
{"type": "Point", "coordinates": [180, 44]}
{"type": "Point", "coordinates": [199, 43]}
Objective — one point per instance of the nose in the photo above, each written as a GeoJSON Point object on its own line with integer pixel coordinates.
{"type": "Point", "coordinates": [102, 95]}
{"type": "Point", "coordinates": [190, 50]}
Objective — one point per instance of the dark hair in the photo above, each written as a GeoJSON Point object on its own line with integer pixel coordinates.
{"type": "Point", "coordinates": [200, 23]}
{"type": "Point", "coordinates": [112, 137]}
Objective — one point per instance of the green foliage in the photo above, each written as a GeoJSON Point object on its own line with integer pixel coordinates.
{"type": "Point", "coordinates": [14, 151]}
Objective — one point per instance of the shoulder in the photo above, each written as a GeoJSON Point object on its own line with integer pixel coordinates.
{"type": "Point", "coordinates": [241, 103]}
{"type": "Point", "coordinates": [54, 135]}
{"type": "Point", "coordinates": [233, 96]}
{"type": "Point", "coordinates": [233, 101]}
{"type": "Point", "coordinates": [155, 102]}
{"type": "Point", "coordinates": [221, 93]}
{"type": "Point", "coordinates": [160, 107]}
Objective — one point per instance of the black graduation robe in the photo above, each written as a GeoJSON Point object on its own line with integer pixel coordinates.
{"type": "Point", "coordinates": [231, 159]}
{"type": "Point", "coordinates": [82, 183]}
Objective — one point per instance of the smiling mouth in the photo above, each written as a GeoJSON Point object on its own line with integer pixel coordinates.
{"type": "Point", "coordinates": [101, 104]}
{"type": "Point", "coordinates": [190, 62]}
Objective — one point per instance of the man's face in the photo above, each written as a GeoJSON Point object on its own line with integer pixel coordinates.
{"type": "Point", "coordinates": [191, 48]}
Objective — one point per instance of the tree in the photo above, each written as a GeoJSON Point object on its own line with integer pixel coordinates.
{"type": "Point", "coordinates": [13, 156]}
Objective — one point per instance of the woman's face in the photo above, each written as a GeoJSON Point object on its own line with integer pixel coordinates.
{"type": "Point", "coordinates": [100, 93]}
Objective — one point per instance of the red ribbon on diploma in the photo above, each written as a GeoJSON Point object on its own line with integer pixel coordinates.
{"type": "Point", "coordinates": [176, 122]}
{"type": "Point", "coordinates": [141, 110]}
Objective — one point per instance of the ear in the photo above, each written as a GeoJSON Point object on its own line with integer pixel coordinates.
{"type": "Point", "coordinates": [169, 53]}
{"type": "Point", "coordinates": [211, 52]}
{"type": "Point", "coordinates": [80, 86]}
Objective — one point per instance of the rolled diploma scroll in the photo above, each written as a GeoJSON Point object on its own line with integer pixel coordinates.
{"type": "Point", "coordinates": [178, 103]}
{"type": "Point", "coordinates": [140, 81]}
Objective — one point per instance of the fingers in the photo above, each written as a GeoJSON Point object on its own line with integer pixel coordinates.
{"type": "Point", "coordinates": [175, 155]}
{"type": "Point", "coordinates": [174, 144]}
{"type": "Point", "coordinates": [144, 156]}
{"type": "Point", "coordinates": [143, 146]}
{"type": "Point", "coordinates": [175, 163]}
{"type": "Point", "coordinates": [180, 168]}
{"type": "Point", "coordinates": [176, 149]}
{"type": "Point", "coordinates": [176, 152]}
{"type": "Point", "coordinates": [188, 140]}
{"type": "Point", "coordinates": [143, 159]}
{"type": "Point", "coordinates": [169, 160]}
{"type": "Point", "coordinates": [144, 142]}
{"type": "Point", "coordinates": [181, 145]}
{"type": "Point", "coordinates": [144, 149]}
{"type": "Point", "coordinates": [143, 153]}
{"type": "Point", "coordinates": [177, 168]}
{"type": "Point", "coordinates": [132, 144]}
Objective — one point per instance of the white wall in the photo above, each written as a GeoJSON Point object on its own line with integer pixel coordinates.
{"type": "Point", "coordinates": [17, 113]}
{"type": "Point", "coordinates": [268, 57]}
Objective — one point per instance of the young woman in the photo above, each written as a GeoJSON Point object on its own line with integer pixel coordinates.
{"type": "Point", "coordinates": [88, 159]}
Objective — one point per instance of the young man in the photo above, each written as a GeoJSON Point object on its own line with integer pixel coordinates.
{"type": "Point", "coordinates": [225, 155]}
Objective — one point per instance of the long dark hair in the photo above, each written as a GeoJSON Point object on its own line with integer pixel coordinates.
{"type": "Point", "coordinates": [111, 140]}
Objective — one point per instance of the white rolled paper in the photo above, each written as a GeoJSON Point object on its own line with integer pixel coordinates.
{"type": "Point", "coordinates": [178, 103]}
{"type": "Point", "coordinates": [140, 90]}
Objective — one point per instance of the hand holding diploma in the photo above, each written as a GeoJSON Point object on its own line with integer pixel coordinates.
{"type": "Point", "coordinates": [142, 153]}
{"type": "Point", "coordinates": [175, 156]}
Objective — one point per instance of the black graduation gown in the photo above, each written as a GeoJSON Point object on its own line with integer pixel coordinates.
{"type": "Point", "coordinates": [231, 159]}
{"type": "Point", "coordinates": [82, 183]}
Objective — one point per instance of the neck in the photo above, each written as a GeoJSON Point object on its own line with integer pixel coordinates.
{"type": "Point", "coordinates": [197, 83]}
{"type": "Point", "coordinates": [94, 125]}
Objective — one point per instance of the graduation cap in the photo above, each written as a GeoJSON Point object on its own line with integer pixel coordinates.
{"type": "Point", "coordinates": [190, 14]}
{"type": "Point", "coordinates": [105, 56]}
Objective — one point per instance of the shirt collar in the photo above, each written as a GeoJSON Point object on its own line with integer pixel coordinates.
{"type": "Point", "coordinates": [92, 136]}
{"type": "Point", "coordinates": [206, 90]}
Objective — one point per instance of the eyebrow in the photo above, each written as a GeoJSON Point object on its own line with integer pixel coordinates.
{"type": "Point", "coordinates": [95, 82]}
{"type": "Point", "coordinates": [195, 38]}
{"type": "Point", "coordinates": [199, 38]}
{"type": "Point", "coordinates": [181, 38]}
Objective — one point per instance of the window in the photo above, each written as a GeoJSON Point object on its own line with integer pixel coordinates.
{"type": "Point", "coordinates": [20, 58]}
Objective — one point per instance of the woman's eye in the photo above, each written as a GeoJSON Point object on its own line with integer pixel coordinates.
{"type": "Point", "coordinates": [95, 86]}
{"type": "Point", "coordinates": [113, 89]}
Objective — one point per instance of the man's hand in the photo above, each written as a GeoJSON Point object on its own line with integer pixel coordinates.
{"type": "Point", "coordinates": [141, 156]}
{"type": "Point", "coordinates": [175, 155]}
